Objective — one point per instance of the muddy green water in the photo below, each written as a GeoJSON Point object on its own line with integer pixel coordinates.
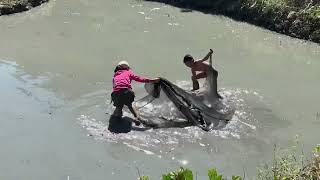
{"type": "Point", "coordinates": [56, 64]}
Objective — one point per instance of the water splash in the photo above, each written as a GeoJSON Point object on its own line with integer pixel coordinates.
{"type": "Point", "coordinates": [148, 141]}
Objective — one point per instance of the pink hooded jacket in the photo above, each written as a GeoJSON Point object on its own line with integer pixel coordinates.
{"type": "Point", "coordinates": [122, 80]}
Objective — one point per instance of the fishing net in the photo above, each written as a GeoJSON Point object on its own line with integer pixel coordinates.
{"type": "Point", "coordinates": [168, 105]}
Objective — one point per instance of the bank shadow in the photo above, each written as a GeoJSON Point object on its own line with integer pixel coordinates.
{"type": "Point", "coordinates": [214, 7]}
{"type": "Point", "coordinates": [230, 8]}
{"type": "Point", "coordinates": [250, 12]}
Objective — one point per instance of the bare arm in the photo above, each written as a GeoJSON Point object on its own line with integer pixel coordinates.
{"type": "Point", "coordinates": [143, 79]}
{"type": "Point", "coordinates": [207, 56]}
{"type": "Point", "coordinates": [139, 78]}
{"type": "Point", "coordinates": [195, 83]}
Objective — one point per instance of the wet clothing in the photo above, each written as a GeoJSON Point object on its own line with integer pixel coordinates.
{"type": "Point", "coordinates": [122, 80]}
{"type": "Point", "coordinates": [212, 76]}
{"type": "Point", "coordinates": [122, 97]}
{"type": "Point", "coordinates": [122, 90]}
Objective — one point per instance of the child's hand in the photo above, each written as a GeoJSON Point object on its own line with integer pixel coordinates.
{"type": "Point", "coordinates": [211, 51]}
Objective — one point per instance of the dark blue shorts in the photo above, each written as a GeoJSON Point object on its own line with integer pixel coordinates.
{"type": "Point", "coordinates": [123, 97]}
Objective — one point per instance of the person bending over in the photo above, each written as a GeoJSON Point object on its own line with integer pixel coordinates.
{"type": "Point", "coordinates": [122, 90]}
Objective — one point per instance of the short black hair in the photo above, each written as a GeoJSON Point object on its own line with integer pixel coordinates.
{"type": "Point", "coordinates": [118, 68]}
{"type": "Point", "coordinates": [187, 58]}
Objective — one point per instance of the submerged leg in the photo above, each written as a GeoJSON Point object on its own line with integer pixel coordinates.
{"type": "Point", "coordinates": [118, 111]}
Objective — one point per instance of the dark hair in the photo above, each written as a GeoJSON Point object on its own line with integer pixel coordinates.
{"type": "Point", "coordinates": [187, 58]}
{"type": "Point", "coordinates": [119, 67]}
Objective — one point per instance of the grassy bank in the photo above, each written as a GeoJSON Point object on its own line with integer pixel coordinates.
{"type": "Point", "coordinates": [287, 164]}
{"type": "Point", "coordinates": [15, 6]}
{"type": "Point", "coordinates": [296, 18]}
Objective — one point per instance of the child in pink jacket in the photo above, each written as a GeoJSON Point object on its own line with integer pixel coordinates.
{"type": "Point", "coordinates": [122, 90]}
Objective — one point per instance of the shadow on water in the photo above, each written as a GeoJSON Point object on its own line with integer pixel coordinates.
{"type": "Point", "coordinates": [217, 7]}
{"type": "Point", "coordinates": [124, 125]}
{"type": "Point", "coordinates": [120, 125]}
{"type": "Point", "coordinates": [184, 10]}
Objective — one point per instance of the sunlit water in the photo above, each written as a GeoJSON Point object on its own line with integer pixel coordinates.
{"type": "Point", "coordinates": [56, 68]}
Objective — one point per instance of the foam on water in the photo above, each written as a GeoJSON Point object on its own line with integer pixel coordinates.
{"type": "Point", "coordinates": [148, 141]}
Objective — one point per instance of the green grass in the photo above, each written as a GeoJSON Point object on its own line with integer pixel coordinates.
{"type": "Point", "coordinates": [187, 174]}
{"type": "Point", "coordinates": [144, 178]}
{"type": "Point", "coordinates": [298, 18]}
{"type": "Point", "coordinates": [286, 165]}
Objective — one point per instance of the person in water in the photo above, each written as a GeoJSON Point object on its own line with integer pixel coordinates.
{"type": "Point", "coordinates": [122, 90]}
{"type": "Point", "coordinates": [204, 69]}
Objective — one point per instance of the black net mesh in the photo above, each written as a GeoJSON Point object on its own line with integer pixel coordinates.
{"type": "Point", "coordinates": [168, 105]}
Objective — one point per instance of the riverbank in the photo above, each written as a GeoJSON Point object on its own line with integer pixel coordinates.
{"type": "Point", "coordinates": [296, 18]}
{"type": "Point", "coordinates": [286, 164]}
{"type": "Point", "coordinates": [15, 6]}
